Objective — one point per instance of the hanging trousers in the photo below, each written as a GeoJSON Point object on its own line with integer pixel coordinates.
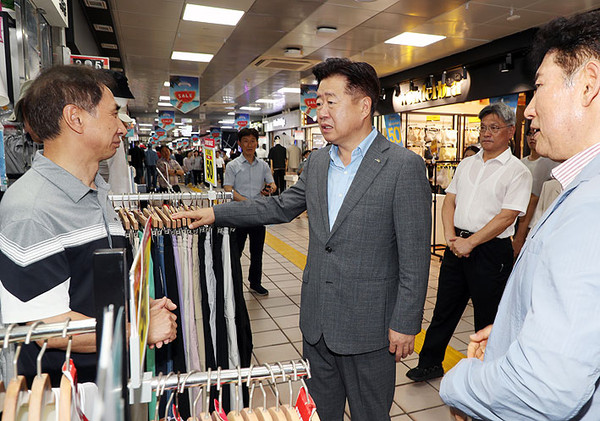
{"type": "Point", "coordinates": [482, 277]}
{"type": "Point", "coordinates": [257, 243]}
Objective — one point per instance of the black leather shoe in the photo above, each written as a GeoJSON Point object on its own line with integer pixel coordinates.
{"type": "Point", "coordinates": [259, 290]}
{"type": "Point", "coordinates": [420, 374]}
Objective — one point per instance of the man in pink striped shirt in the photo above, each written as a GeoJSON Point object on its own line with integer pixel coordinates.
{"type": "Point", "coordinates": [541, 358]}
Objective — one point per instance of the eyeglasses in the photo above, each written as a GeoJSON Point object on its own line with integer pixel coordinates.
{"type": "Point", "coordinates": [493, 128]}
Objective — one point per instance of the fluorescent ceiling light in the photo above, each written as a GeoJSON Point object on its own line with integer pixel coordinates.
{"type": "Point", "coordinates": [226, 121]}
{"type": "Point", "coordinates": [229, 108]}
{"type": "Point", "coordinates": [250, 108]}
{"type": "Point", "coordinates": [216, 15]}
{"type": "Point", "coordinates": [165, 104]}
{"type": "Point", "coordinates": [266, 101]}
{"type": "Point", "coordinates": [144, 129]}
{"type": "Point", "coordinates": [231, 113]}
{"type": "Point", "coordinates": [145, 124]}
{"type": "Point", "coordinates": [289, 90]}
{"type": "Point", "coordinates": [415, 39]}
{"type": "Point", "coordinates": [167, 84]}
{"type": "Point", "coordinates": [183, 55]}
{"type": "Point", "coordinates": [227, 127]}
{"type": "Point", "coordinates": [164, 98]}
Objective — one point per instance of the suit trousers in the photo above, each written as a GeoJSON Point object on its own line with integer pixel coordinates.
{"type": "Point", "coordinates": [257, 243]}
{"type": "Point", "coordinates": [367, 380]}
{"type": "Point", "coordinates": [279, 178]}
{"type": "Point", "coordinates": [482, 277]}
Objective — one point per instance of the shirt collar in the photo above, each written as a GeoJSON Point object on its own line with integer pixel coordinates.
{"type": "Point", "coordinates": [64, 180]}
{"type": "Point", "coordinates": [566, 172]}
{"type": "Point", "coordinates": [360, 150]}
{"type": "Point", "coordinates": [243, 158]}
{"type": "Point", "coordinates": [502, 158]}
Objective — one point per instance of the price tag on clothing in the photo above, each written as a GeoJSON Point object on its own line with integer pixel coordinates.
{"type": "Point", "coordinates": [305, 406]}
{"type": "Point", "coordinates": [70, 372]}
{"type": "Point", "coordinates": [219, 411]}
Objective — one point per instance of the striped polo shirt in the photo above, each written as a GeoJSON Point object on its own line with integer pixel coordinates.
{"type": "Point", "coordinates": [50, 226]}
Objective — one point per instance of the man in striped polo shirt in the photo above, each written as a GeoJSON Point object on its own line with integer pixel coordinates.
{"type": "Point", "coordinates": [58, 213]}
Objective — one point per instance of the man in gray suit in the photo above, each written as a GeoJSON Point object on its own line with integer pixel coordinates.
{"type": "Point", "coordinates": [365, 279]}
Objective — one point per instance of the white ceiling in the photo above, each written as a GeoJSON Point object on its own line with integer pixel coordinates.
{"type": "Point", "coordinates": [149, 31]}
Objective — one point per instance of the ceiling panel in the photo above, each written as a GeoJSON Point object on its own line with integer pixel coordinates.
{"type": "Point", "coordinates": [393, 22]}
{"type": "Point", "coordinates": [424, 8]}
{"type": "Point", "coordinates": [564, 7]}
{"type": "Point", "coordinates": [169, 23]}
{"type": "Point", "coordinates": [378, 5]}
{"type": "Point", "coordinates": [164, 8]}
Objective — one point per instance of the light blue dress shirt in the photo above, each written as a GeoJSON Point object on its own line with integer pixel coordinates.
{"type": "Point", "coordinates": [542, 360]}
{"type": "Point", "coordinates": [340, 177]}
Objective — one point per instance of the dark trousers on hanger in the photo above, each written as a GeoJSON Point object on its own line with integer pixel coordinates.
{"type": "Point", "coordinates": [257, 243]}
{"type": "Point", "coordinates": [367, 380]}
{"type": "Point", "coordinates": [151, 177]}
{"type": "Point", "coordinates": [279, 178]}
{"type": "Point", "coordinates": [482, 277]}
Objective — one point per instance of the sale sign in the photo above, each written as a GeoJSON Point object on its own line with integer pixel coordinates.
{"type": "Point", "coordinates": [215, 133]}
{"type": "Point", "coordinates": [241, 121]}
{"type": "Point", "coordinates": [308, 101]}
{"type": "Point", "coordinates": [160, 134]}
{"type": "Point", "coordinates": [185, 93]}
{"type": "Point", "coordinates": [166, 120]}
{"type": "Point", "coordinates": [210, 165]}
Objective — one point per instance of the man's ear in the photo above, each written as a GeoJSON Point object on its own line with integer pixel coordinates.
{"type": "Point", "coordinates": [591, 81]}
{"type": "Point", "coordinates": [74, 118]}
{"type": "Point", "coordinates": [365, 108]}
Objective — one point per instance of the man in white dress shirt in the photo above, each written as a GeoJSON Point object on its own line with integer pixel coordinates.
{"type": "Point", "coordinates": [487, 193]}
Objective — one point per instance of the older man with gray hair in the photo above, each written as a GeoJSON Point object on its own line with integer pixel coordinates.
{"type": "Point", "coordinates": [488, 192]}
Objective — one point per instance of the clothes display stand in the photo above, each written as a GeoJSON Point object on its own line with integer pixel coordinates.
{"type": "Point", "coordinates": [443, 172]}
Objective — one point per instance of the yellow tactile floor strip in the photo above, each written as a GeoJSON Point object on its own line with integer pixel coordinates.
{"type": "Point", "coordinates": [452, 356]}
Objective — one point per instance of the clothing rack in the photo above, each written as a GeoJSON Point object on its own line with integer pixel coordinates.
{"type": "Point", "coordinates": [435, 247]}
{"type": "Point", "coordinates": [294, 370]}
{"type": "Point", "coordinates": [16, 334]}
{"type": "Point", "coordinates": [209, 195]}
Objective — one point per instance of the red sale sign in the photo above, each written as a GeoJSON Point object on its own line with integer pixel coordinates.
{"type": "Point", "coordinates": [311, 102]}
{"type": "Point", "coordinates": [209, 143]}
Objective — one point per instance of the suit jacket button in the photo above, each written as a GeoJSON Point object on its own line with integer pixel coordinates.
{"type": "Point", "coordinates": [328, 249]}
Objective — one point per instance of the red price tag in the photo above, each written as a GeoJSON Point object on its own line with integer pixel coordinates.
{"type": "Point", "coordinates": [305, 406]}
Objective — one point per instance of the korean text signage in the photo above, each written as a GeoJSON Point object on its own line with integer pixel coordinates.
{"type": "Point", "coordinates": [185, 93]}
{"type": "Point", "coordinates": [166, 120]}
{"type": "Point", "coordinates": [393, 128]}
{"type": "Point", "coordinates": [210, 166]}
{"type": "Point", "coordinates": [92, 61]}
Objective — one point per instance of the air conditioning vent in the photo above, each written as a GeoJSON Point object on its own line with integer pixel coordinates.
{"type": "Point", "coordinates": [96, 4]}
{"type": "Point", "coordinates": [103, 28]}
{"type": "Point", "coordinates": [285, 63]}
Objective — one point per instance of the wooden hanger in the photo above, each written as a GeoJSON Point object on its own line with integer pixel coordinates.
{"type": "Point", "coordinates": [17, 394]}
{"type": "Point", "coordinates": [235, 415]}
{"type": "Point", "coordinates": [288, 410]}
{"type": "Point", "coordinates": [41, 389]}
{"type": "Point", "coordinates": [124, 218]}
{"type": "Point", "coordinates": [165, 220]}
{"type": "Point", "coordinates": [247, 413]}
{"type": "Point", "coordinates": [275, 412]}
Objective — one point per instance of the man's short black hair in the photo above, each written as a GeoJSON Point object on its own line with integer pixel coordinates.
{"type": "Point", "coordinates": [248, 131]}
{"type": "Point", "coordinates": [574, 40]}
{"type": "Point", "coordinates": [361, 77]}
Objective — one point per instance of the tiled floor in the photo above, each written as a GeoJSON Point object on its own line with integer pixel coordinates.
{"type": "Point", "coordinates": [277, 337]}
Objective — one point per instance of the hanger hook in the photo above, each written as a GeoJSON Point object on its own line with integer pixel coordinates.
{"type": "Point", "coordinates": [31, 329]}
{"type": "Point", "coordinates": [250, 400]}
{"type": "Point", "coordinates": [208, 381]}
{"type": "Point", "coordinates": [158, 396]}
{"type": "Point", "coordinates": [274, 383]}
{"type": "Point", "coordinates": [306, 364]}
{"type": "Point", "coordinates": [262, 389]}
{"type": "Point", "coordinates": [237, 389]}
{"type": "Point", "coordinates": [7, 335]}
{"type": "Point", "coordinates": [15, 360]}
{"type": "Point", "coordinates": [196, 402]}
{"type": "Point", "coordinates": [171, 397]}
{"type": "Point", "coordinates": [38, 360]}
{"type": "Point", "coordinates": [219, 388]}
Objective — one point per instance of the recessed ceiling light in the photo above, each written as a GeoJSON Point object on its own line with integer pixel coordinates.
{"type": "Point", "coordinates": [327, 29]}
{"type": "Point", "coordinates": [231, 113]}
{"type": "Point", "coordinates": [292, 52]}
{"type": "Point", "coordinates": [146, 124]}
{"type": "Point", "coordinates": [266, 101]}
{"type": "Point", "coordinates": [164, 98]}
{"type": "Point", "coordinates": [217, 15]}
{"type": "Point", "coordinates": [250, 108]}
{"type": "Point", "coordinates": [200, 57]}
{"type": "Point", "coordinates": [229, 108]}
{"type": "Point", "coordinates": [165, 104]}
{"type": "Point", "coordinates": [167, 84]}
{"type": "Point", "coordinates": [227, 127]}
{"type": "Point", "coordinates": [414, 39]}
{"type": "Point", "coordinates": [289, 90]}
{"type": "Point", "coordinates": [226, 121]}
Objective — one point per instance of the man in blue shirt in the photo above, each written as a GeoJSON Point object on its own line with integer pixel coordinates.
{"type": "Point", "coordinates": [151, 160]}
{"type": "Point", "coordinates": [250, 178]}
{"type": "Point", "coordinates": [541, 360]}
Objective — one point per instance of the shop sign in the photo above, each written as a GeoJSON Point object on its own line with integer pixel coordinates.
{"type": "Point", "coordinates": [91, 61]}
{"type": "Point", "coordinates": [424, 94]}
{"type": "Point", "coordinates": [279, 122]}
{"type": "Point", "coordinates": [166, 120]}
{"type": "Point", "coordinates": [184, 92]}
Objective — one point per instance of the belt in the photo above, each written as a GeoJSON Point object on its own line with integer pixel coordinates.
{"type": "Point", "coordinates": [462, 233]}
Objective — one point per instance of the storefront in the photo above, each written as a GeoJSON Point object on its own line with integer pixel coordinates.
{"type": "Point", "coordinates": [285, 127]}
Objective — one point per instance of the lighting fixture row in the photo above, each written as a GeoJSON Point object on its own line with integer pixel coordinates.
{"type": "Point", "coordinates": [430, 81]}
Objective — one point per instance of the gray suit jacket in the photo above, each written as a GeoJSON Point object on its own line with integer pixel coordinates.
{"type": "Point", "coordinates": [369, 272]}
